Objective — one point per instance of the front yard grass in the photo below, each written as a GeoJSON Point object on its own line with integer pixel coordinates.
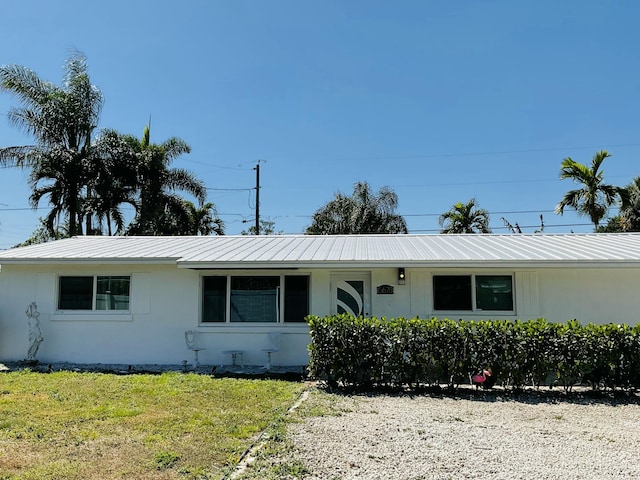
{"type": "Point", "coordinates": [276, 459]}
{"type": "Point", "coordinates": [67, 425]}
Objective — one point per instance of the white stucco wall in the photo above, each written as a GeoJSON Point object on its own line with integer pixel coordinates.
{"type": "Point", "coordinates": [165, 301]}
{"type": "Point", "coordinates": [590, 295]}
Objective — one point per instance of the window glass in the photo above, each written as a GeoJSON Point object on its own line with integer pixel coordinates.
{"type": "Point", "coordinates": [255, 299]}
{"type": "Point", "coordinates": [296, 298]}
{"type": "Point", "coordinates": [214, 299]}
{"type": "Point", "coordinates": [494, 292]}
{"type": "Point", "coordinates": [112, 293]}
{"type": "Point", "coordinates": [452, 292]}
{"type": "Point", "coordinates": [76, 293]}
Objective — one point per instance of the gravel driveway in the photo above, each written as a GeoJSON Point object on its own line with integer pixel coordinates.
{"type": "Point", "coordinates": [485, 436]}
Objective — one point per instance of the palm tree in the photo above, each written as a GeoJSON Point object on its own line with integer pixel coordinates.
{"type": "Point", "coordinates": [362, 212]}
{"type": "Point", "coordinates": [203, 220]}
{"type": "Point", "coordinates": [630, 212]}
{"type": "Point", "coordinates": [61, 120]}
{"type": "Point", "coordinates": [465, 218]}
{"type": "Point", "coordinates": [158, 206]}
{"type": "Point", "coordinates": [594, 197]}
{"type": "Point", "coordinates": [60, 178]}
{"type": "Point", "coordinates": [113, 179]}
{"type": "Point", "coordinates": [198, 221]}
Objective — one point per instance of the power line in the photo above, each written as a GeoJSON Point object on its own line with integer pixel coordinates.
{"type": "Point", "coordinates": [473, 154]}
{"type": "Point", "coordinates": [20, 209]}
{"type": "Point", "coordinates": [490, 213]}
{"type": "Point", "coordinates": [506, 212]}
{"type": "Point", "coordinates": [424, 155]}
{"type": "Point", "coordinates": [224, 167]}
{"type": "Point", "coordinates": [451, 154]}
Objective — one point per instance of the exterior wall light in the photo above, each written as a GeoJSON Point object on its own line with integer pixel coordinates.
{"type": "Point", "coordinates": [401, 276]}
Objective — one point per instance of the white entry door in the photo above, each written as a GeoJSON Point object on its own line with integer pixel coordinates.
{"type": "Point", "coordinates": [351, 294]}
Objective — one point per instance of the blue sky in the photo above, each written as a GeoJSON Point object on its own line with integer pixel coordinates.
{"type": "Point", "coordinates": [441, 101]}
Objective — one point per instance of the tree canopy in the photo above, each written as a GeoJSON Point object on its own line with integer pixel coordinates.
{"type": "Point", "coordinates": [62, 121]}
{"type": "Point", "coordinates": [267, 227]}
{"type": "Point", "coordinates": [159, 209]}
{"type": "Point", "coordinates": [364, 211]}
{"type": "Point", "coordinates": [594, 197]}
{"type": "Point", "coordinates": [628, 220]}
{"type": "Point", "coordinates": [630, 212]}
{"type": "Point", "coordinates": [86, 180]}
{"type": "Point", "coordinates": [87, 175]}
{"type": "Point", "coordinates": [465, 218]}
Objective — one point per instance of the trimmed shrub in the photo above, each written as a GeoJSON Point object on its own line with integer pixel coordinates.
{"type": "Point", "coordinates": [365, 353]}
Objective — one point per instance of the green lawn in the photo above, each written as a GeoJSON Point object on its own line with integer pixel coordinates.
{"type": "Point", "coordinates": [67, 425]}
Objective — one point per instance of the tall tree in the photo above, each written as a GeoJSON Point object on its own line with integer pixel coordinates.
{"type": "Point", "coordinates": [594, 197]}
{"type": "Point", "coordinates": [465, 218]}
{"type": "Point", "coordinates": [630, 212]}
{"type": "Point", "coordinates": [201, 220]}
{"type": "Point", "coordinates": [613, 225]}
{"type": "Point", "coordinates": [158, 204]}
{"type": "Point", "coordinates": [61, 120]}
{"type": "Point", "coordinates": [113, 180]}
{"type": "Point", "coordinates": [362, 212]}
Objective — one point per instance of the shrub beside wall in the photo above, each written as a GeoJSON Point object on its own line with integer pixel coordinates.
{"type": "Point", "coordinates": [370, 352]}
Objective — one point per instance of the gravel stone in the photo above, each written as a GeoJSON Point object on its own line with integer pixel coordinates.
{"type": "Point", "coordinates": [472, 437]}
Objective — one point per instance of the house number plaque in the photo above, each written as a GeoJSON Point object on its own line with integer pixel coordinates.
{"type": "Point", "coordinates": [385, 289]}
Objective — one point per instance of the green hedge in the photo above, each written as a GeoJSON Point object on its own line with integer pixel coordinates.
{"type": "Point", "coordinates": [365, 353]}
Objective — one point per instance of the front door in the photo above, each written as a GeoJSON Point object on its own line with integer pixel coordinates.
{"type": "Point", "coordinates": [351, 294]}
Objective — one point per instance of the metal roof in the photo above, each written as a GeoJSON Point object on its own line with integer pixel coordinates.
{"type": "Point", "coordinates": [300, 251]}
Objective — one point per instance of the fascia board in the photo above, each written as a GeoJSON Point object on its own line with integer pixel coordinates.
{"type": "Point", "coordinates": [87, 261]}
{"type": "Point", "coordinates": [409, 264]}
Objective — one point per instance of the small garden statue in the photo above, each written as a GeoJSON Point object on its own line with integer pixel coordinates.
{"type": "Point", "coordinates": [485, 379]}
{"type": "Point", "coordinates": [35, 334]}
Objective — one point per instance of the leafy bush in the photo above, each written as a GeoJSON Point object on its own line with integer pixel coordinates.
{"type": "Point", "coordinates": [370, 352]}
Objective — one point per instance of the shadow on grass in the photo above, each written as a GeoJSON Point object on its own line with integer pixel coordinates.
{"type": "Point", "coordinates": [293, 374]}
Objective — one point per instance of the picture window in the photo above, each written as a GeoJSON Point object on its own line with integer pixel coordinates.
{"type": "Point", "coordinates": [255, 299]}
{"type": "Point", "coordinates": [94, 292]}
{"type": "Point", "coordinates": [473, 293]}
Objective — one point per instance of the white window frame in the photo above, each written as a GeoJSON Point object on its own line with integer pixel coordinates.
{"type": "Point", "coordinates": [281, 298]}
{"type": "Point", "coordinates": [474, 310]}
{"type": "Point", "coordinates": [94, 295]}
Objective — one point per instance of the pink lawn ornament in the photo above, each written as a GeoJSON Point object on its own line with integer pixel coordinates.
{"type": "Point", "coordinates": [483, 378]}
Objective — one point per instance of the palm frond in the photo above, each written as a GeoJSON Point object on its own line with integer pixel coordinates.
{"type": "Point", "coordinates": [183, 180]}
{"type": "Point", "coordinates": [174, 147]}
{"type": "Point", "coordinates": [465, 218]}
{"type": "Point", "coordinates": [25, 84]}
{"type": "Point", "coordinates": [595, 197]}
{"type": "Point", "coordinates": [20, 156]}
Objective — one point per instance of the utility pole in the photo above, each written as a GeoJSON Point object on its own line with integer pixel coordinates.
{"type": "Point", "coordinates": [257, 169]}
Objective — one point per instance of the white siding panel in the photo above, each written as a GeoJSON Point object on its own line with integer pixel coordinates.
{"type": "Point", "coordinates": [419, 281]}
{"type": "Point", "coordinates": [140, 299]}
{"type": "Point", "coordinates": [526, 294]}
{"type": "Point", "coordinates": [45, 294]}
